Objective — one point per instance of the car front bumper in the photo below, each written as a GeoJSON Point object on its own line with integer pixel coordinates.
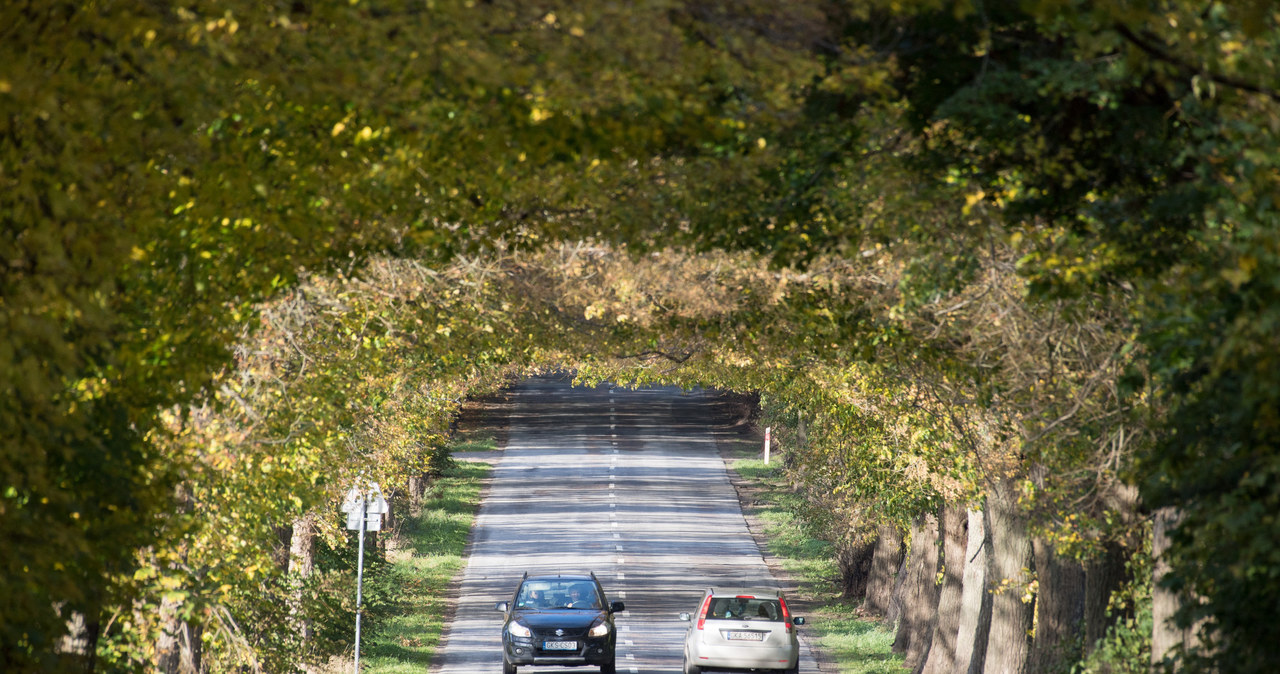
{"type": "Point", "coordinates": [524, 651]}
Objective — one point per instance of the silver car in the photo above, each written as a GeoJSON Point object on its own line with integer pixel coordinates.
{"type": "Point", "coordinates": [742, 629]}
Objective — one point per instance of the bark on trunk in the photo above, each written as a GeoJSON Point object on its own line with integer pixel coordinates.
{"type": "Point", "coordinates": [894, 614]}
{"type": "Point", "coordinates": [393, 503]}
{"type": "Point", "coordinates": [417, 487]}
{"type": "Point", "coordinates": [1010, 555]}
{"type": "Point", "coordinates": [975, 599]}
{"type": "Point", "coordinates": [178, 649]}
{"type": "Point", "coordinates": [1103, 575]}
{"type": "Point", "coordinates": [942, 649]}
{"type": "Point", "coordinates": [302, 559]}
{"type": "Point", "coordinates": [1166, 636]}
{"type": "Point", "coordinates": [854, 560]}
{"type": "Point", "coordinates": [1059, 609]}
{"type": "Point", "coordinates": [78, 649]}
{"type": "Point", "coordinates": [168, 648]}
{"type": "Point", "coordinates": [919, 595]}
{"type": "Point", "coordinates": [884, 568]}
{"type": "Point", "coordinates": [90, 632]}
{"type": "Point", "coordinates": [280, 551]}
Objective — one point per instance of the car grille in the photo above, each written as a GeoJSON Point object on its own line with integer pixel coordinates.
{"type": "Point", "coordinates": [549, 634]}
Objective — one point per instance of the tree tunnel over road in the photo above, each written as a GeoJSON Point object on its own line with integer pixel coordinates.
{"type": "Point", "coordinates": [624, 483]}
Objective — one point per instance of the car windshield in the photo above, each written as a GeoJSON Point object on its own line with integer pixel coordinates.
{"type": "Point", "coordinates": [738, 608]}
{"type": "Point", "coordinates": [558, 593]}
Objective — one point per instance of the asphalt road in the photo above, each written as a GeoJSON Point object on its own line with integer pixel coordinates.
{"type": "Point", "coordinates": [624, 483]}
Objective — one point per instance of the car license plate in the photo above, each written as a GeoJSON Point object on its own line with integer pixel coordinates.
{"type": "Point", "coordinates": [745, 636]}
{"type": "Point", "coordinates": [559, 645]}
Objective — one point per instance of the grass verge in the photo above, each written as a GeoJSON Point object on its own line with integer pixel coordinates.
{"type": "Point", "coordinates": [856, 645]}
{"type": "Point", "coordinates": [428, 554]}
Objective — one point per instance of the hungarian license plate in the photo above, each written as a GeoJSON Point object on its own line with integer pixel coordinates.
{"type": "Point", "coordinates": [745, 636]}
{"type": "Point", "coordinates": [559, 645]}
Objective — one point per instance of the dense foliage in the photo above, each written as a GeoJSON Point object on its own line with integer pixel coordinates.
{"type": "Point", "coordinates": [253, 250]}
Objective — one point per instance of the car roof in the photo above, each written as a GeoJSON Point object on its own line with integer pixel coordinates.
{"type": "Point", "coordinates": [757, 592]}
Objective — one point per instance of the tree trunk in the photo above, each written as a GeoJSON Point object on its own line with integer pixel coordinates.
{"type": "Point", "coordinates": [178, 649]}
{"type": "Point", "coordinates": [1010, 555]}
{"type": "Point", "coordinates": [389, 518]}
{"type": "Point", "coordinates": [168, 646]}
{"type": "Point", "coordinates": [1103, 575]}
{"type": "Point", "coordinates": [975, 599]}
{"type": "Point", "coordinates": [1166, 636]}
{"type": "Point", "coordinates": [854, 559]}
{"type": "Point", "coordinates": [884, 568]}
{"type": "Point", "coordinates": [302, 559]}
{"type": "Point", "coordinates": [1059, 609]}
{"type": "Point", "coordinates": [942, 649]}
{"type": "Point", "coordinates": [280, 551]}
{"type": "Point", "coordinates": [894, 614]}
{"type": "Point", "coordinates": [919, 596]}
{"type": "Point", "coordinates": [92, 630]}
{"type": "Point", "coordinates": [77, 649]}
{"type": "Point", "coordinates": [417, 487]}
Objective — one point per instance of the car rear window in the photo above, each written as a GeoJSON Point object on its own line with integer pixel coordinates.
{"type": "Point", "coordinates": [732, 608]}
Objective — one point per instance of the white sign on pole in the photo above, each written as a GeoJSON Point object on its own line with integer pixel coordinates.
{"type": "Point", "coordinates": [370, 503]}
{"type": "Point", "coordinates": [364, 511]}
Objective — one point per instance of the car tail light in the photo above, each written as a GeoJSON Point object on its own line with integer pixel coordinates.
{"type": "Point", "coordinates": [702, 612]}
{"type": "Point", "coordinates": [786, 614]}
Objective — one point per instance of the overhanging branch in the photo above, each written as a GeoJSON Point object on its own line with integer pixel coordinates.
{"type": "Point", "coordinates": [1159, 54]}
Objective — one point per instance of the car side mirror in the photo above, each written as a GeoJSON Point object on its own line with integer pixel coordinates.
{"type": "Point", "coordinates": [501, 606]}
{"type": "Point", "coordinates": [616, 607]}
{"type": "Point", "coordinates": [798, 620]}
{"type": "Point", "coordinates": [686, 617]}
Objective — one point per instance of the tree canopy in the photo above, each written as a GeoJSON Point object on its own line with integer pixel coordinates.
{"type": "Point", "coordinates": [976, 246]}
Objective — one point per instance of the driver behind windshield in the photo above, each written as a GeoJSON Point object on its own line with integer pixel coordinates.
{"type": "Point", "coordinates": [581, 597]}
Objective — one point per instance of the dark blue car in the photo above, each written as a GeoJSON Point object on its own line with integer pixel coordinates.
{"type": "Point", "coordinates": [560, 619]}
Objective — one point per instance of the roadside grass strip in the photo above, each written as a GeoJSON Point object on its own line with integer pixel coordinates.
{"type": "Point", "coordinates": [429, 554]}
{"type": "Point", "coordinates": [858, 646]}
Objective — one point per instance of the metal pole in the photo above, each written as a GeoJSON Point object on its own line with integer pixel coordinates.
{"type": "Point", "coordinates": [766, 445]}
{"type": "Point", "coordinates": [364, 514]}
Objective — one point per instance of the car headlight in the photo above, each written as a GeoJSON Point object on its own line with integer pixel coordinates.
{"type": "Point", "coordinates": [515, 629]}
{"type": "Point", "coordinates": [601, 630]}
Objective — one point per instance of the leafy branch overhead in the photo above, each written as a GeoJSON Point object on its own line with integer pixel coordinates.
{"type": "Point", "coordinates": [967, 253]}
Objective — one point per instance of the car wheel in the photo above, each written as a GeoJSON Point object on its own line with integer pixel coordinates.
{"type": "Point", "coordinates": [507, 667]}
{"type": "Point", "coordinates": [609, 668]}
{"type": "Point", "coordinates": [691, 668]}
